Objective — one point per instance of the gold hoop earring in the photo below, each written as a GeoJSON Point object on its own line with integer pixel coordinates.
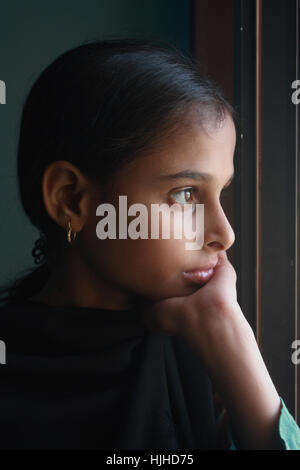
{"type": "Point", "coordinates": [70, 237]}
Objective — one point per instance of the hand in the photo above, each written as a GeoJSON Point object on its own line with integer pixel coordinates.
{"type": "Point", "coordinates": [203, 318]}
{"type": "Point", "coordinates": [178, 314]}
{"type": "Point", "coordinates": [213, 323]}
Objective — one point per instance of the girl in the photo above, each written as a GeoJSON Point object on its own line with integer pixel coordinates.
{"type": "Point", "coordinates": [127, 342]}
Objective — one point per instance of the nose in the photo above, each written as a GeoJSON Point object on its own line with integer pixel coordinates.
{"type": "Point", "coordinates": [218, 233]}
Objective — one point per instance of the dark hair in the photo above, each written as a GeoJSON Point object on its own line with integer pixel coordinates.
{"type": "Point", "coordinates": [98, 106]}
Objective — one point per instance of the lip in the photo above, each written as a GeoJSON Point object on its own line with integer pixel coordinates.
{"type": "Point", "coordinates": [200, 275]}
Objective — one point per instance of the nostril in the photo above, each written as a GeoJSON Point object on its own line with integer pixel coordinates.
{"type": "Point", "coordinates": [217, 245]}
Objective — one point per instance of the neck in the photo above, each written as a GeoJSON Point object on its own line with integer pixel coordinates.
{"type": "Point", "coordinates": [72, 283]}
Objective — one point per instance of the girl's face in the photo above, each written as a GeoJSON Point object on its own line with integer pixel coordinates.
{"type": "Point", "coordinates": [154, 267]}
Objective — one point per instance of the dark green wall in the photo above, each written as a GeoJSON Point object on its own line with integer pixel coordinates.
{"type": "Point", "coordinates": [32, 34]}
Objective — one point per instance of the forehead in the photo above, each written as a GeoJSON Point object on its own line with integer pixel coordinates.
{"type": "Point", "coordinates": [207, 149]}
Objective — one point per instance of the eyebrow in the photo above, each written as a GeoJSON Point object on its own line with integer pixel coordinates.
{"type": "Point", "coordinates": [195, 175]}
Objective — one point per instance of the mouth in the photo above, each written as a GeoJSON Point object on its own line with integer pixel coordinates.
{"type": "Point", "coordinates": [200, 275]}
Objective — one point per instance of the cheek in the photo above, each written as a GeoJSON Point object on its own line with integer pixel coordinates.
{"type": "Point", "coordinates": [161, 258]}
{"type": "Point", "coordinates": [137, 263]}
{"type": "Point", "coordinates": [151, 267]}
{"type": "Point", "coordinates": [138, 257]}
{"type": "Point", "coordinates": [142, 259]}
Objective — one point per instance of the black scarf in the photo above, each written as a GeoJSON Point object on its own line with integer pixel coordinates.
{"type": "Point", "coordinates": [89, 378]}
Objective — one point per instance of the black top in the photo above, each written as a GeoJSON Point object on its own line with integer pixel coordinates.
{"type": "Point", "coordinates": [89, 378]}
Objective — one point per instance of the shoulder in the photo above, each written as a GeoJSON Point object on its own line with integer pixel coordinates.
{"type": "Point", "coordinates": [9, 310]}
{"type": "Point", "coordinates": [5, 309]}
{"type": "Point", "coordinates": [14, 318]}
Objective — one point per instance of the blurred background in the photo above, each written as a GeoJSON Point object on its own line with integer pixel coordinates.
{"type": "Point", "coordinates": [251, 48]}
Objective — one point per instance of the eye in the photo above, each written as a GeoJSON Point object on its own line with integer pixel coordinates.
{"type": "Point", "coordinates": [183, 195]}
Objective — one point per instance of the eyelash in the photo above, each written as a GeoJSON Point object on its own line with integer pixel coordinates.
{"type": "Point", "coordinates": [190, 189]}
{"type": "Point", "coordinates": [193, 190]}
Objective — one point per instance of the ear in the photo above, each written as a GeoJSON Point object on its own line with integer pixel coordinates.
{"type": "Point", "coordinates": [66, 194]}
